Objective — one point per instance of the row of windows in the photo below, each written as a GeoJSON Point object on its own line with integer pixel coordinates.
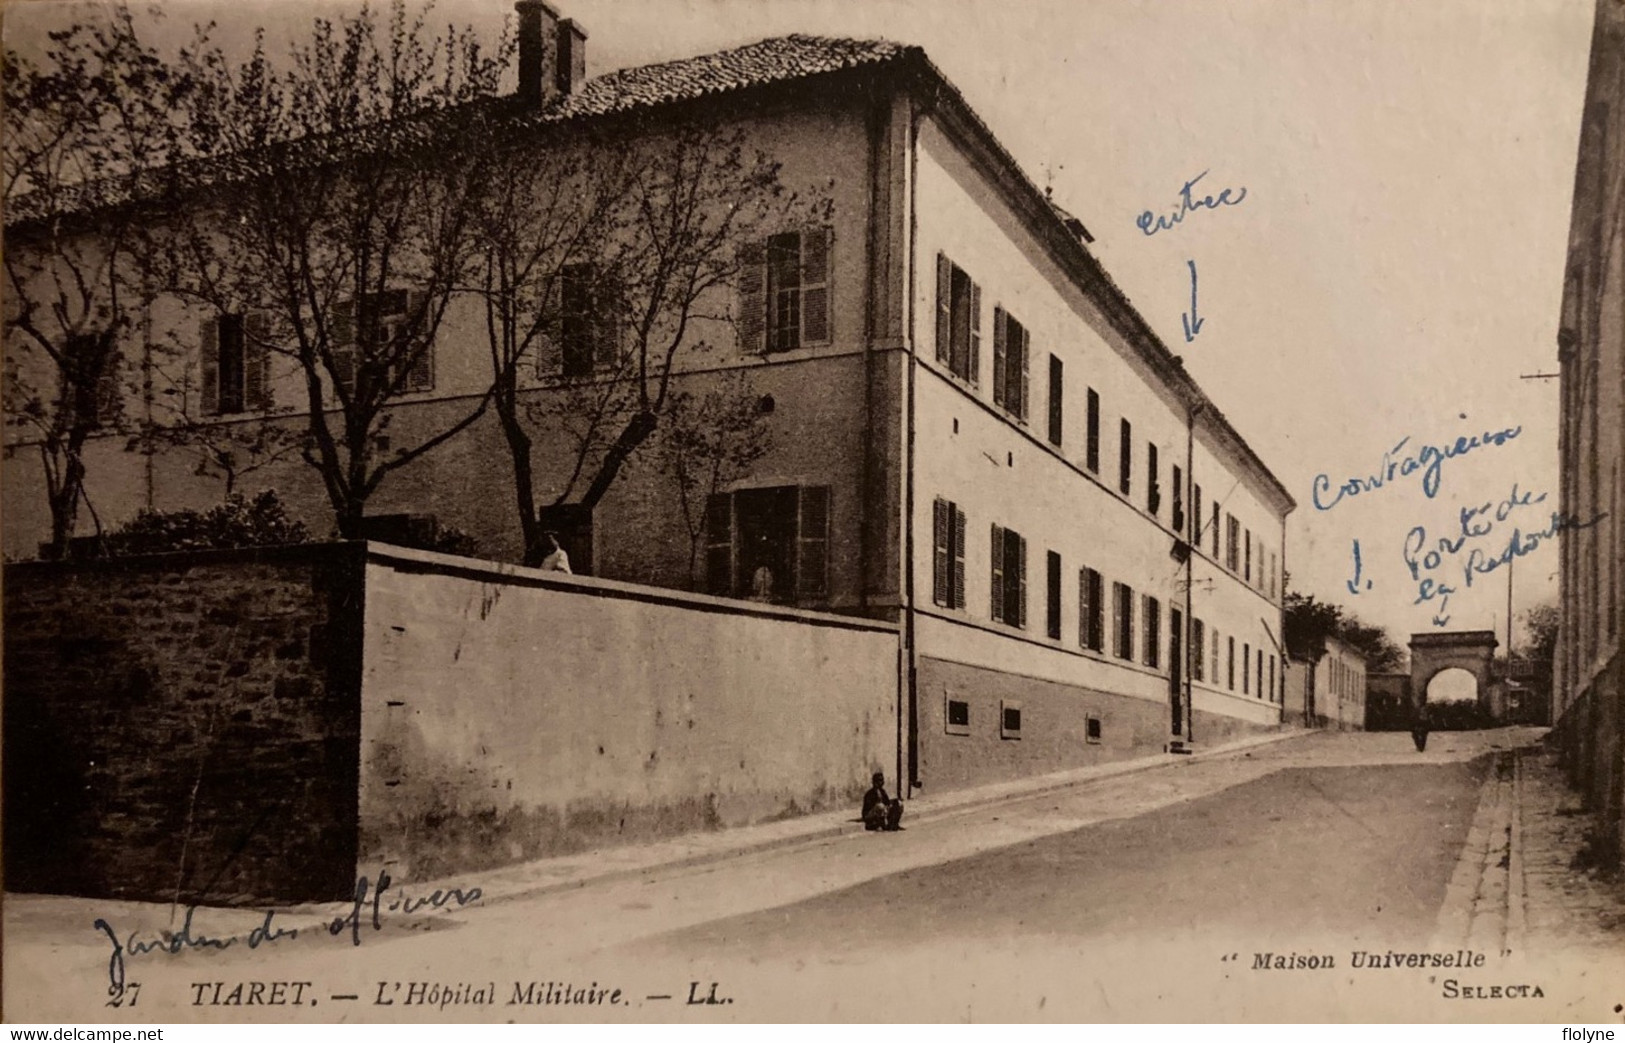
{"type": "Point", "coordinates": [236, 349]}
{"type": "Point", "coordinates": [1008, 605]}
{"type": "Point", "coordinates": [1258, 673]}
{"type": "Point", "coordinates": [957, 719]}
{"type": "Point", "coordinates": [1345, 680]}
{"type": "Point", "coordinates": [958, 347]}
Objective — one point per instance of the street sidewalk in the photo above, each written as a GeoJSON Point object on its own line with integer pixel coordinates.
{"type": "Point", "coordinates": [27, 913]}
{"type": "Point", "coordinates": [1519, 885]}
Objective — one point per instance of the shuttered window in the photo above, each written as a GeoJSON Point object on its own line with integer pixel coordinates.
{"type": "Point", "coordinates": [1123, 610]}
{"type": "Point", "coordinates": [812, 542]}
{"type": "Point", "coordinates": [1091, 456]}
{"type": "Point", "coordinates": [1196, 516]}
{"type": "Point", "coordinates": [1178, 521]}
{"type": "Point", "coordinates": [235, 357]}
{"type": "Point", "coordinates": [377, 335]}
{"type": "Point", "coordinates": [1246, 666]}
{"type": "Point", "coordinates": [791, 524]}
{"type": "Point", "coordinates": [959, 321]}
{"type": "Point", "coordinates": [784, 291]}
{"type": "Point", "coordinates": [1125, 457]}
{"type": "Point", "coordinates": [1091, 611]}
{"type": "Point", "coordinates": [1009, 364]}
{"type": "Point", "coordinates": [1056, 401]}
{"type": "Point", "coordinates": [1153, 480]}
{"type": "Point", "coordinates": [1152, 650]}
{"type": "Point", "coordinates": [586, 322]}
{"type": "Point", "coordinates": [1198, 649]}
{"type": "Point", "coordinates": [1053, 603]}
{"type": "Point", "coordinates": [948, 544]}
{"type": "Point", "coordinates": [1008, 601]}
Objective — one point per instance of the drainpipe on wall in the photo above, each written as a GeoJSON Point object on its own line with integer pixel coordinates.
{"type": "Point", "coordinates": [914, 780]}
{"type": "Point", "coordinates": [1190, 570]}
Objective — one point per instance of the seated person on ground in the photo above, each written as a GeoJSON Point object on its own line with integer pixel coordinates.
{"type": "Point", "coordinates": [881, 811]}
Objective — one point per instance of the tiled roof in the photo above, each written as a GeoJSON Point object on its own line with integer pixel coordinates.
{"type": "Point", "coordinates": [775, 60]}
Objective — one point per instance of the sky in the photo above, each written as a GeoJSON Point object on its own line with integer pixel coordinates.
{"type": "Point", "coordinates": [1393, 271]}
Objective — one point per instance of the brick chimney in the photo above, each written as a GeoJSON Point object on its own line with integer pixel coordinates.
{"type": "Point", "coordinates": [552, 53]}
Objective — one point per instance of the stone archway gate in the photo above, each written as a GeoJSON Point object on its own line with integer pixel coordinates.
{"type": "Point", "coordinates": [1435, 651]}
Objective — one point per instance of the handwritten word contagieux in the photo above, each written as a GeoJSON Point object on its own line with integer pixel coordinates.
{"type": "Point", "coordinates": [1430, 461]}
{"type": "Point", "coordinates": [1152, 223]}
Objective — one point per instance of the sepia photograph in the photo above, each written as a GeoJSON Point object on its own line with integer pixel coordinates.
{"type": "Point", "coordinates": [812, 511]}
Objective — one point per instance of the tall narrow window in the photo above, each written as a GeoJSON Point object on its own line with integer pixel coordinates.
{"type": "Point", "coordinates": [232, 364]}
{"type": "Point", "coordinates": [235, 356]}
{"type": "Point", "coordinates": [1246, 665]}
{"type": "Point", "coordinates": [948, 552]}
{"type": "Point", "coordinates": [1230, 663]}
{"type": "Point", "coordinates": [1196, 516]}
{"type": "Point", "coordinates": [1232, 543]}
{"type": "Point", "coordinates": [1055, 401]}
{"type": "Point", "coordinates": [1258, 677]}
{"type": "Point", "coordinates": [1009, 576]}
{"type": "Point", "coordinates": [1125, 457]}
{"type": "Point", "coordinates": [1123, 612]}
{"type": "Point", "coordinates": [1151, 648]}
{"type": "Point", "coordinates": [1092, 448]}
{"type": "Point", "coordinates": [1009, 364]}
{"type": "Point", "coordinates": [769, 544]}
{"type": "Point", "coordinates": [1215, 674]}
{"type": "Point", "coordinates": [1091, 611]}
{"type": "Point", "coordinates": [588, 320]}
{"type": "Point", "coordinates": [1215, 526]}
{"type": "Point", "coordinates": [1247, 569]}
{"type": "Point", "coordinates": [1178, 521]}
{"type": "Point", "coordinates": [784, 291]}
{"type": "Point", "coordinates": [1053, 619]}
{"type": "Point", "coordinates": [959, 321]}
{"type": "Point", "coordinates": [1153, 480]}
{"type": "Point", "coordinates": [1198, 649]}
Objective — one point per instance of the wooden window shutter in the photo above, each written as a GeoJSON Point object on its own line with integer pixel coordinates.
{"type": "Point", "coordinates": [1000, 352]}
{"type": "Point", "coordinates": [420, 372]}
{"type": "Point", "coordinates": [974, 363]}
{"type": "Point", "coordinates": [719, 544]}
{"type": "Point", "coordinates": [959, 558]}
{"type": "Point", "coordinates": [998, 574]}
{"type": "Point", "coordinates": [753, 298]}
{"type": "Point", "coordinates": [812, 541]}
{"type": "Point", "coordinates": [256, 361]}
{"type": "Point", "coordinates": [941, 527]}
{"type": "Point", "coordinates": [1021, 392]}
{"type": "Point", "coordinates": [609, 306]}
{"type": "Point", "coordinates": [1021, 581]}
{"type": "Point", "coordinates": [815, 269]}
{"type": "Point", "coordinates": [341, 337]}
{"type": "Point", "coordinates": [945, 317]}
{"type": "Point", "coordinates": [209, 359]}
{"type": "Point", "coordinates": [550, 333]}
{"type": "Point", "coordinates": [1083, 608]}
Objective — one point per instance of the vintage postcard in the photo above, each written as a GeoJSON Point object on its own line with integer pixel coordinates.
{"type": "Point", "coordinates": [813, 510]}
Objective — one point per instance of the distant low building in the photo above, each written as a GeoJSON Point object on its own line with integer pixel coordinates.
{"type": "Point", "coordinates": [1327, 691]}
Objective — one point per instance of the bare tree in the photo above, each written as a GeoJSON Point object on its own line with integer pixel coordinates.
{"type": "Point", "coordinates": [706, 443]}
{"type": "Point", "coordinates": [604, 259]}
{"type": "Point", "coordinates": [86, 131]}
{"type": "Point", "coordinates": [335, 220]}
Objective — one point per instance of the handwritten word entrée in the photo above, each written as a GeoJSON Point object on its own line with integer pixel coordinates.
{"type": "Point", "coordinates": [1430, 461]}
{"type": "Point", "coordinates": [1151, 223]}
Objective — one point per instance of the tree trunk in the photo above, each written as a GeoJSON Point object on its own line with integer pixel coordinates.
{"type": "Point", "coordinates": [635, 433]}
